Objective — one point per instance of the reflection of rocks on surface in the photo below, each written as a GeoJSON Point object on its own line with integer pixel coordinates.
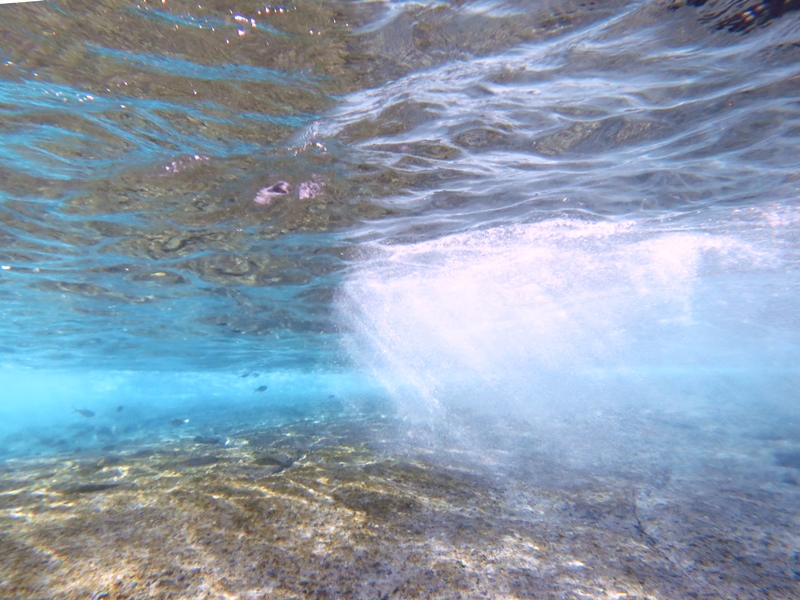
{"type": "Point", "coordinates": [265, 195]}
{"type": "Point", "coordinates": [306, 190]}
{"type": "Point", "coordinates": [310, 189]}
{"type": "Point", "coordinates": [739, 16]}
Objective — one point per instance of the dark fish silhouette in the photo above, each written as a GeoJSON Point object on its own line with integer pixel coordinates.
{"type": "Point", "coordinates": [90, 488]}
{"type": "Point", "coordinates": [120, 408]}
{"type": "Point", "coordinates": [84, 412]}
{"type": "Point", "coordinates": [178, 422]}
{"type": "Point", "coordinates": [201, 461]}
{"type": "Point", "coordinates": [243, 375]}
{"type": "Point", "coordinates": [209, 439]}
{"type": "Point", "coordinates": [261, 388]}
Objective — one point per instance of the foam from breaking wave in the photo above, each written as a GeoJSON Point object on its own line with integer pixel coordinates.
{"type": "Point", "coordinates": [566, 315]}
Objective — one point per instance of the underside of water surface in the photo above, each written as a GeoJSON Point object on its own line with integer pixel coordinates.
{"type": "Point", "coordinates": [469, 299]}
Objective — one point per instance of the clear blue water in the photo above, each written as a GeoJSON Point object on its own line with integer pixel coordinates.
{"type": "Point", "coordinates": [575, 214]}
{"type": "Point", "coordinates": [510, 191]}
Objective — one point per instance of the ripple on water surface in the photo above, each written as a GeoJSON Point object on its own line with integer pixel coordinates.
{"type": "Point", "coordinates": [138, 134]}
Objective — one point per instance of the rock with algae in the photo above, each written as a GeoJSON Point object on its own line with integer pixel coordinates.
{"type": "Point", "coordinates": [351, 507]}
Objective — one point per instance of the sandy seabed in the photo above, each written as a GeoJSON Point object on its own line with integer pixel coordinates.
{"type": "Point", "coordinates": [367, 507]}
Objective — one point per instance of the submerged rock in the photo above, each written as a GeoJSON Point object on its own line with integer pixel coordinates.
{"type": "Point", "coordinates": [404, 522]}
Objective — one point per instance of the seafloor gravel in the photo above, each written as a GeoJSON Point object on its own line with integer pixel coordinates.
{"type": "Point", "coordinates": [362, 507]}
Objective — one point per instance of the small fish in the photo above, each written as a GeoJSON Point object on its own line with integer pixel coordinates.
{"type": "Point", "coordinates": [178, 422]}
{"type": "Point", "coordinates": [209, 439]}
{"type": "Point", "coordinates": [120, 408]}
{"type": "Point", "coordinates": [246, 374]}
{"type": "Point", "coordinates": [261, 388]}
{"type": "Point", "coordinates": [84, 412]}
{"type": "Point", "coordinates": [183, 163]}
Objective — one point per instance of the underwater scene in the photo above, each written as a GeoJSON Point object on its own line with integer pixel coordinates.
{"type": "Point", "coordinates": [385, 299]}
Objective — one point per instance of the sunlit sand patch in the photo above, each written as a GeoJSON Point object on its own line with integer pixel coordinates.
{"type": "Point", "coordinates": [311, 510]}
